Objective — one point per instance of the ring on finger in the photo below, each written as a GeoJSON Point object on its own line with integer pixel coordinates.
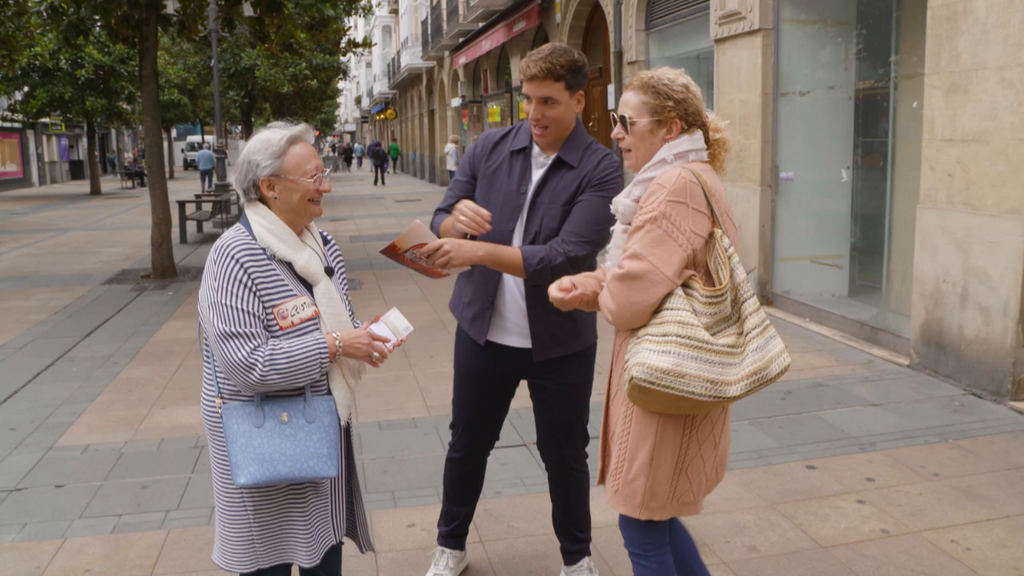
{"type": "Point", "coordinates": [375, 356]}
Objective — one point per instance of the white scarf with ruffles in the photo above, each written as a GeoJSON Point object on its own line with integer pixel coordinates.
{"type": "Point", "coordinates": [274, 235]}
{"type": "Point", "coordinates": [683, 150]}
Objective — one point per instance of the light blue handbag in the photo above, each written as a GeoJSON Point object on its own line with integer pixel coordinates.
{"type": "Point", "coordinates": [280, 440]}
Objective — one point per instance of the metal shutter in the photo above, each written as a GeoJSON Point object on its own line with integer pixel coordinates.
{"type": "Point", "coordinates": [662, 12]}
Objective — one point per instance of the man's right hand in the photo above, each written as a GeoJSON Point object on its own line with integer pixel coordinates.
{"type": "Point", "coordinates": [469, 218]}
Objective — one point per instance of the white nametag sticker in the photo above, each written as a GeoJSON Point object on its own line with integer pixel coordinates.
{"type": "Point", "coordinates": [295, 312]}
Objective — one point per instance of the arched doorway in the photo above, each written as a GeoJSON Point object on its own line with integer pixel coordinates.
{"type": "Point", "coordinates": [595, 46]}
{"type": "Point", "coordinates": [541, 38]}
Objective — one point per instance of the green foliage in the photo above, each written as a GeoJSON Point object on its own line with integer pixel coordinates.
{"type": "Point", "coordinates": [186, 80]}
{"type": "Point", "coordinates": [72, 69]}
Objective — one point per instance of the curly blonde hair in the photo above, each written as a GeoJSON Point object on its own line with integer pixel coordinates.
{"type": "Point", "coordinates": [671, 94]}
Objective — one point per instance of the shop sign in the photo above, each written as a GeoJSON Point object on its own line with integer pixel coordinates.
{"type": "Point", "coordinates": [56, 126]}
{"type": "Point", "coordinates": [494, 114]}
{"type": "Point", "coordinates": [522, 111]}
{"type": "Point", "coordinates": [391, 114]}
{"type": "Point", "coordinates": [465, 119]}
{"type": "Point", "coordinates": [524, 20]}
{"type": "Point", "coordinates": [364, 119]}
{"type": "Point", "coordinates": [11, 165]}
{"type": "Point", "coordinates": [456, 102]}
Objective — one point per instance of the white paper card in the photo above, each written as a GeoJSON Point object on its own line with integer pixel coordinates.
{"type": "Point", "coordinates": [392, 326]}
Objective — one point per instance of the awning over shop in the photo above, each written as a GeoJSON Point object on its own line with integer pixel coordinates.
{"type": "Point", "coordinates": [378, 108]}
{"type": "Point", "coordinates": [523, 20]}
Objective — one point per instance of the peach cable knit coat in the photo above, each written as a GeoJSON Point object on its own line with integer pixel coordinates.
{"type": "Point", "coordinates": [658, 466]}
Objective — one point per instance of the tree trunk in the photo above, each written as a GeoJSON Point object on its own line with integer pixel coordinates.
{"type": "Point", "coordinates": [247, 112]}
{"type": "Point", "coordinates": [160, 240]}
{"type": "Point", "coordinates": [170, 156]}
{"type": "Point", "coordinates": [95, 188]}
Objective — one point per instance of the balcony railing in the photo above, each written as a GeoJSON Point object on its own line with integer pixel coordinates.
{"type": "Point", "coordinates": [425, 34]}
{"type": "Point", "coordinates": [453, 14]}
{"type": "Point", "coordinates": [458, 26]}
{"type": "Point", "coordinates": [436, 25]}
{"type": "Point", "coordinates": [392, 7]}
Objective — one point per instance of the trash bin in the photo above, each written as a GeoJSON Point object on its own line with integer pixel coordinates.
{"type": "Point", "coordinates": [77, 169]}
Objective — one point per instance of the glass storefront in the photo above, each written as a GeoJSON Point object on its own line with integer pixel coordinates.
{"type": "Point", "coordinates": [686, 44]}
{"type": "Point", "coordinates": [848, 145]}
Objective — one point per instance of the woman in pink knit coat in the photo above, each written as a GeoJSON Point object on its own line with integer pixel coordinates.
{"type": "Point", "coordinates": [656, 467]}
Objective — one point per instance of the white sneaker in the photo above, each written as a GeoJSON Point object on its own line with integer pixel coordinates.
{"type": "Point", "coordinates": [448, 562]}
{"type": "Point", "coordinates": [584, 568]}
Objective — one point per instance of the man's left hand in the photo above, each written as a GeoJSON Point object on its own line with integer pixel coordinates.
{"type": "Point", "coordinates": [448, 253]}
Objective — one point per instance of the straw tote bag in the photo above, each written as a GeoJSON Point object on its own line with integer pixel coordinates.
{"type": "Point", "coordinates": [705, 347]}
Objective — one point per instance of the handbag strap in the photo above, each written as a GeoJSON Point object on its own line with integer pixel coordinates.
{"type": "Point", "coordinates": [309, 409]}
{"type": "Point", "coordinates": [704, 187]}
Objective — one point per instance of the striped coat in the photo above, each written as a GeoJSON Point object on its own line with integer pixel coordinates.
{"type": "Point", "coordinates": [260, 527]}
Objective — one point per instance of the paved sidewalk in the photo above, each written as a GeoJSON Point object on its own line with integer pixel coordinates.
{"type": "Point", "coordinates": [851, 465]}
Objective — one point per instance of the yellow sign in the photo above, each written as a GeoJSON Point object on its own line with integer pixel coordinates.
{"type": "Point", "coordinates": [494, 114]}
{"type": "Point", "coordinates": [522, 111]}
{"type": "Point", "coordinates": [391, 114]}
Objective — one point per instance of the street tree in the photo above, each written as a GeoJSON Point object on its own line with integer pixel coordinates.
{"type": "Point", "coordinates": [287, 59]}
{"type": "Point", "coordinates": [186, 85]}
{"type": "Point", "coordinates": [73, 72]}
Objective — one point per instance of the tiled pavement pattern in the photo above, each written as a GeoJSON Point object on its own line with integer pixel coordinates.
{"type": "Point", "coordinates": [103, 465]}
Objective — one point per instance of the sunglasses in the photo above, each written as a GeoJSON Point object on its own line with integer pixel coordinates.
{"type": "Point", "coordinates": [626, 122]}
{"type": "Point", "coordinates": [315, 180]}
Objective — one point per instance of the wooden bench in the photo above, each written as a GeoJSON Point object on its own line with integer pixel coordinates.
{"type": "Point", "coordinates": [220, 207]}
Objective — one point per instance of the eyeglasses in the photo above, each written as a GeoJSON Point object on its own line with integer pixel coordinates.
{"type": "Point", "coordinates": [315, 180]}
{"type": "Point", "coordinates": [625, 121]}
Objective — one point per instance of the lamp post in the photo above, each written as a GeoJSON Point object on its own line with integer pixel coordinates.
{"type": "Point", "coordinates": [221, 169]}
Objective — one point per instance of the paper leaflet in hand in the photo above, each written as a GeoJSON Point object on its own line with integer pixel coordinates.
{"type": "Point", "coordinates": [392, 326]}
{"type": "Point", "coordinates": [404, 250]}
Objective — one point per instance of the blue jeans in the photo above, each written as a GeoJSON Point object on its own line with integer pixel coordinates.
{"type": "Point", "coordinates": [661, 548]}
{"type": "Point", "coordinates": [451, 175]}
{"type": "Point", "coordinates": [204, 177]}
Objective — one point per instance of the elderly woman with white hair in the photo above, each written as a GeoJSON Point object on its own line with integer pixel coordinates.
{"type": "Point", "coordinates": [257, 342]}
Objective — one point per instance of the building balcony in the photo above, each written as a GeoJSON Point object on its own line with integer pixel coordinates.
{"type": "Point", "coordinates": [392, 7]}
{"type": "Point", "coordinates": [438, 43]}
{"type": "Point", "coordinates": [480, 11]}
{"type": "Point", "coordinates": [458, 28]}
{"type": "Point", "coordinates": [404, 68]}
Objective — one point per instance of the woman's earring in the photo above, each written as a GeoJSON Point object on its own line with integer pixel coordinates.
{"type": "Point", "coordinates": [275, 196]}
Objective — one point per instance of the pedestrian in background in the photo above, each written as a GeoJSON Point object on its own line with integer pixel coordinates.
{"type": "Point", "coordinates": [657, 467]}
{"type": "Point", "coordinates": [379, 159]}
{"type": "Point", "coordinates": [358, 151]}
{"type": "Point", "coordinates": [346, 157]}
{"type": "Point", "coordinates": [271, 259]}
{"type": "Point", "coordinates": [112, 162]}
{"type": "Point", "coordinates": [206, 161]}
{"type": "Point", "coordinates": [451, 156]}
{"type": "Point", "coordinates": [395, 153]}
{"type": "Point", "coordinates": [508, 331]}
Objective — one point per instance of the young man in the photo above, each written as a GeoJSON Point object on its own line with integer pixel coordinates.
{"type": "Point", "coordinates": [528, 205]}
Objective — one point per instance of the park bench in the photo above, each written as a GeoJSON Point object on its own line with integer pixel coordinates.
{"type": "Point", "coordinates": [127, 177]}
{"type": "Point", "coordinates": [220, 208]}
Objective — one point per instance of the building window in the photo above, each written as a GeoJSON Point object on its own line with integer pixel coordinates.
{"type": "Point", "coordinates": [385, 38]}
{"type": "Point", "coordinates": [849, 110]}
{"type": "Point", "coordinates": [679, 36]}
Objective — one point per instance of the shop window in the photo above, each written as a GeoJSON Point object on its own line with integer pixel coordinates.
{"type": "Point", "coordinates": [849, 112]}
{"type": "Point", "coordinates": [684, 43]}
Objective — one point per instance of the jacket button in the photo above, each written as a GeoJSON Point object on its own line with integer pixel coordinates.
{"type": "Point", "coordinates": [522, 190]}
{"type": "Point", "coordinates": [511, 227]}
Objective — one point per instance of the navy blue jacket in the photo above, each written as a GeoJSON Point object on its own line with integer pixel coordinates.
{"type": "Point", "coordinates": [568, 223]}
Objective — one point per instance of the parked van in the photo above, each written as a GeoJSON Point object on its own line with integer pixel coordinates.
{"type": "Point", "coordinates": [193, 144]}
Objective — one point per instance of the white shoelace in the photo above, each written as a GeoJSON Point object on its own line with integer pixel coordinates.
{"type": "Point", "coordinates": [444, 559]}
{"type": "Point", "coordinates": [584, 568]}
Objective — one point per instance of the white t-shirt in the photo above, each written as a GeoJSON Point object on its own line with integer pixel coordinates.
{"type": "Point", "coordinates": [510, 325]}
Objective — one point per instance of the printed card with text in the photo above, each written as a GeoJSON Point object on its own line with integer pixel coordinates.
{"type": "Point", "coordinates": [392, 326]}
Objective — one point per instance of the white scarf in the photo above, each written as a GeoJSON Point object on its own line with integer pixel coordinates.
{"type": "Point", "coordinates": [683, 150]}
{"type": "Point", "coordinates": [274, 235]}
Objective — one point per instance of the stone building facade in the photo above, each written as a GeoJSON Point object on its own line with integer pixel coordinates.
{"type": "Point", "coordinates": [872, 144]}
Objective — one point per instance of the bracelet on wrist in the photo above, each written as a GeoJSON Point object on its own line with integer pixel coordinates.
{"type": "Point", "coordinates": [337, 345]}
